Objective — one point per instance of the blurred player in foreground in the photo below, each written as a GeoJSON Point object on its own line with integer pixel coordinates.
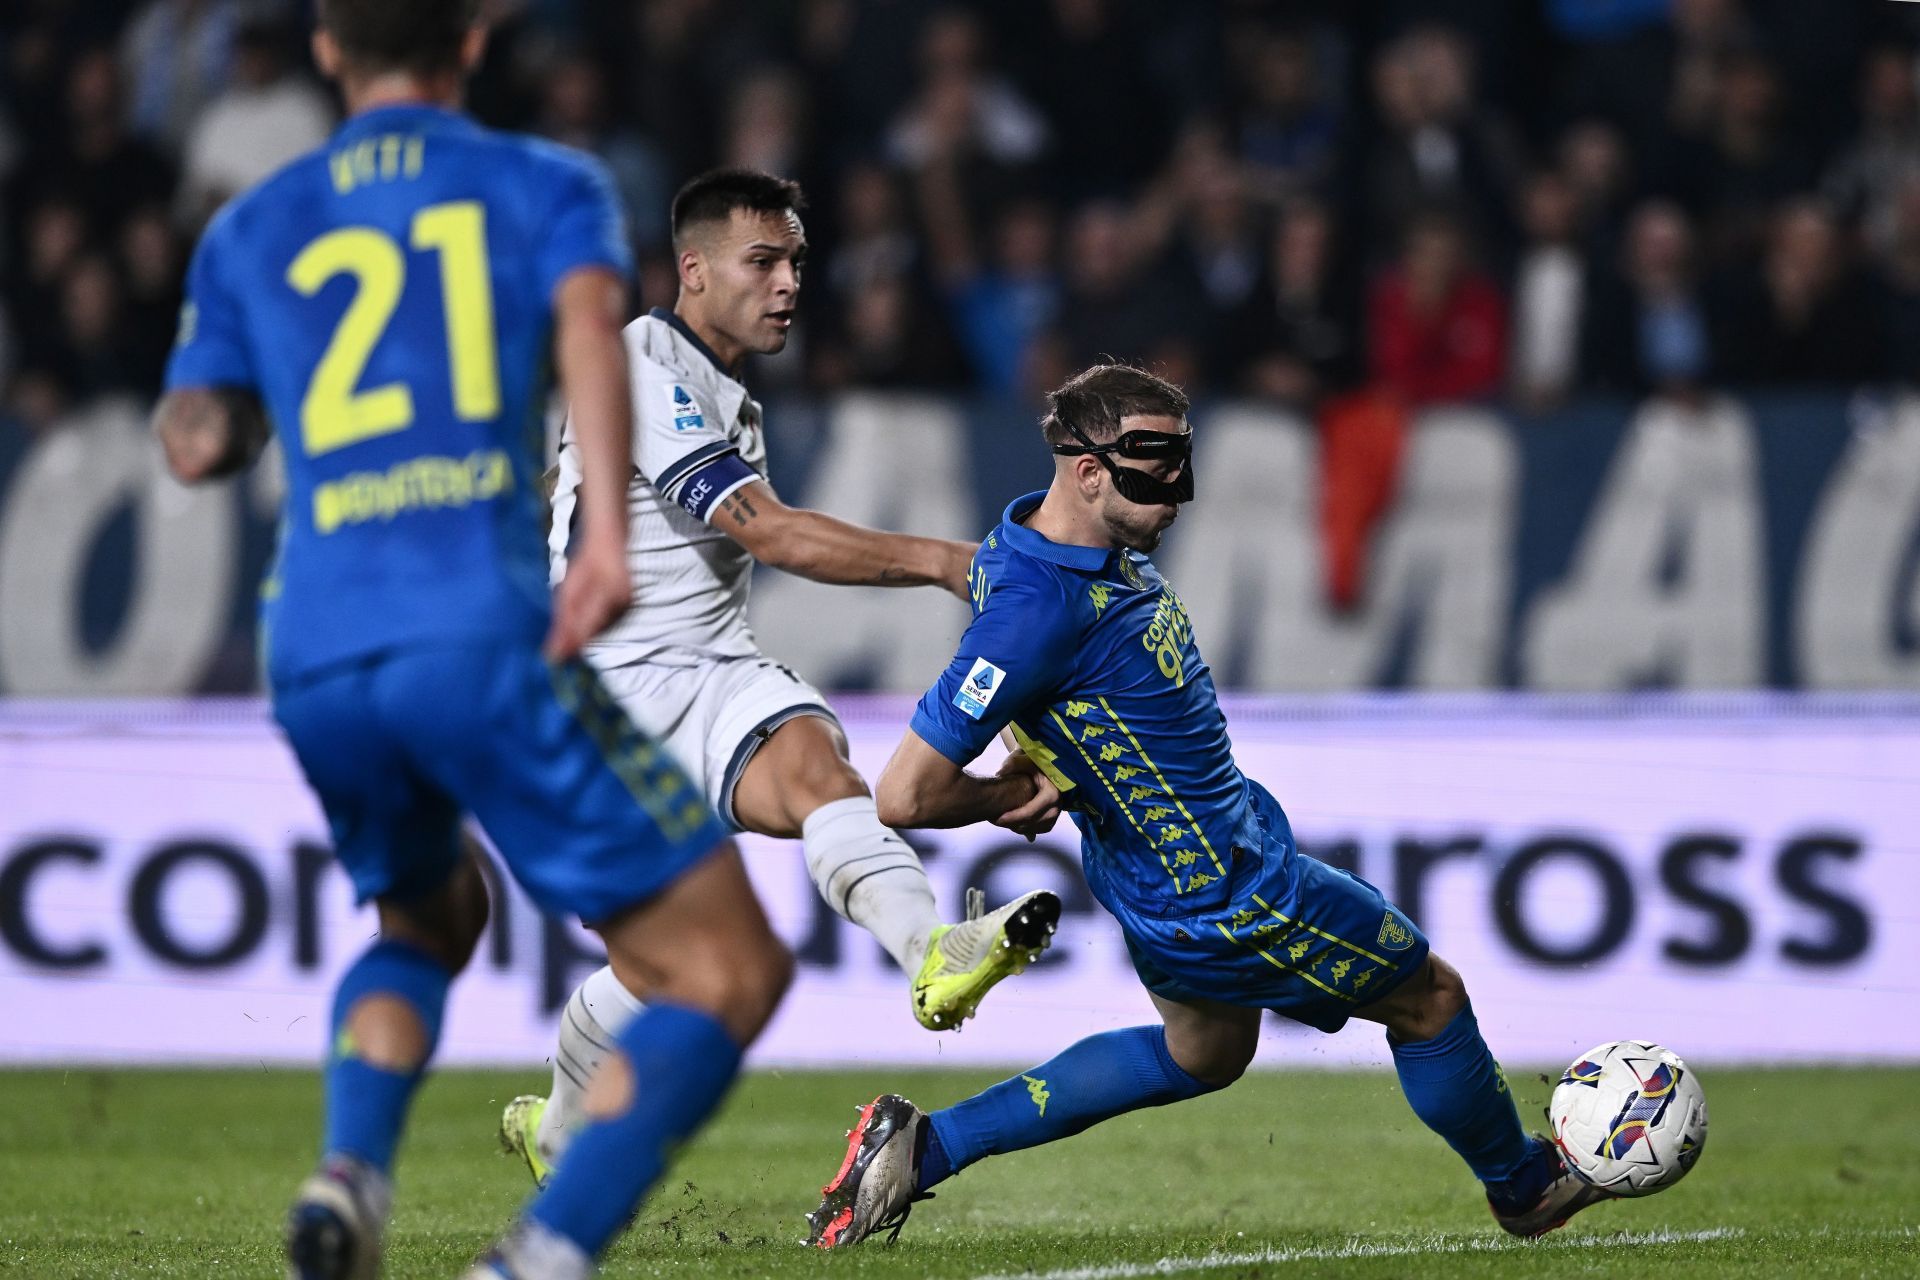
{"type": "Point", "coordinates": [761, 742]}
{"type": "Point", "coordinates": [1079, 645]}
{"type": "Point", "coordinates": [393, 299]}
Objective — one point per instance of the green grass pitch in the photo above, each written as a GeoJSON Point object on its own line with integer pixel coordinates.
{"type": "Point", "coordinates": [181, 1173]}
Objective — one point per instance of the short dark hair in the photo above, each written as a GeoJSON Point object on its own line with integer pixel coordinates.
{"type": "Point", "coordinates": [1097, 399]}
{"type": "Point", "coordinates": [401, 35]}
{"type": "Point", "coordinates": [715, 194]}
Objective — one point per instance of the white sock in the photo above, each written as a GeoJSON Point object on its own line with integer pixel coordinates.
{"type": "Point", "coordinates": [871, 876]}
{"type": "Point", "coordinates": [598, 1010]}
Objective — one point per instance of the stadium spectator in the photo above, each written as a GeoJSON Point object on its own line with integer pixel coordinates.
{"type": "Point", "coordinates": [151, 260]}
{"type": "Point", "coordinates": [962, 111]}
{"type": "Point", "coordinates": [1901, 260]}
{"type": "Point", "coordinates": [766, 124]}
{"type": "Point", "coordinates": [1438, 325]}
{"type": "Point", "coordinates": [93, 159]}
{"type": "Point", "coordinates": [1744, 160]}
{"type": "Point", "coordinates": [575, 110]}
{"type": "Point", "coordinates": [1549, 293]}
{"type": "Point", "coordinates": [53, 240]}
{"type": "Point", "coordinates": [1807, 315]}
{"type": "Point", "coordinates": [1290, 126]}
{"type": "Point", "coordinates": [1437, 143]}
{"type": "Point", "coordinates": [179, 56]}
{"type": "Point", "coordinates": [1297, 337]}
{"type": "Point", "coordinates": [874, 238]}
{"type": "Point", "coordinates": [269, 116]}
{"type": "Point", "coordinates": [1199, 226]}
{"type": "Point", "coordinates": [1001, 309]}
{"type": "Point", "coordinates": [1119, 305]}
{"type": "Point", "coordinates": [1867, 178]}
{"type": "Point", "coordinates": [1646, 325]}
{"type": "Point", "coordinates": [1089, 75]}
{"type": "Point", "coordinates": [889, 338]}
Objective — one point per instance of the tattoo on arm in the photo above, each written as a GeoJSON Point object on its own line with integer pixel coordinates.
{"type": "Point", "coordinates": [739, 508]}
{"type": "Point", "coordinates": [894, 576]}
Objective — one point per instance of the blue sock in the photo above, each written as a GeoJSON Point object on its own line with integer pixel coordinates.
{"type": "Point", "coordinates": [366, 1104]}
{"type": "Point", "coordinates": [1100, 1077]}
{"type": "Point", "coordinates": [683, 1062]}
{"type": "Point", "coordinates": [1459, 1092]}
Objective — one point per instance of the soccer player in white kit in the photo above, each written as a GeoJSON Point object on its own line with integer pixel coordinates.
{"type": "Point", "coordinates": [684, 664]}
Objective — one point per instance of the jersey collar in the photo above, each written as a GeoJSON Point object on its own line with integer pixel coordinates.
{"type": "Point", "coordinates": [685, 330]}
{"type": "Point", "coordinates": [402, 115]}
{"type": "Point", "coordinates": [1039, 546]}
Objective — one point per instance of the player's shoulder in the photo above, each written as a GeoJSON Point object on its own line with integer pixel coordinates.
{"type": "Point", "coordinates": [555, 161]}
{"type": "Point", "coordinates": [1042, 592]}
{"type": "Point", "coordinates": [661, 350]}
{"type": "Point", "coordinates": [289, 189]}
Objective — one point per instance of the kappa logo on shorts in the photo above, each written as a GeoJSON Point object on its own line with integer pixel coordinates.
{"type": "Point", "coordinates": [686, 414]}
{"type": "Point", "coordinates": [1395, 936]}
{"type": "Point", "coordinates": [977, 690]}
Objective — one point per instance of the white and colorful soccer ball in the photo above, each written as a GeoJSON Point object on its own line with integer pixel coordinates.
{"type": "Point", "coordinates": [1629, 1117]}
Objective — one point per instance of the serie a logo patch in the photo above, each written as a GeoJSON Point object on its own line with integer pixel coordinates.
{"type": "Point", "coordinates": [977, 690]}
{"type": "Point", "coordinates": [686, 414]}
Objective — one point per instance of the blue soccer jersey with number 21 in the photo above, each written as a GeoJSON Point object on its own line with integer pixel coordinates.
{"type": "Point", "coordinates": [388, 297]}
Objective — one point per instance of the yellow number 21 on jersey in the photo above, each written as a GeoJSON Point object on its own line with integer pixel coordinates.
{"type": "Point", "coordinates": [335, 413]}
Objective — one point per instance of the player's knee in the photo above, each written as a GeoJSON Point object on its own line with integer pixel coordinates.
{"type": "Point", "coordinates": [1434, 1004]}
{"type": "Point", "coordinates": [763, 980]}
{"type": "Point", "coordinates": [1215, 1059]}
{"type": "Point", "coordinates": [610, 1089]}
{"type": "Point", "coordinates": [821, 778]}
{"type": "Point", "coordinates": [386, 1031]}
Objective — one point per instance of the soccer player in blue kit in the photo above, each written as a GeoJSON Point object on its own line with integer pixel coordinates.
{"type": "Point", "coordinates": [391, 304]}
{"type": "Point", "coordinates": [1082, 651]}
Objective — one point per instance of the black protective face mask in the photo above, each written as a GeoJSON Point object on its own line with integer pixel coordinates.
{"type": "Point", "coordinates": [1140, 487]}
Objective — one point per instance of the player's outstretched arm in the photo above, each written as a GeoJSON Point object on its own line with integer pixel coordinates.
{"type": "Point", "coordinates": [922, 788]}
{"type": "Point", "coordinates": [812, 544]}
{"type": "Point", "coordinates": [209, 432]}
{"type": "Point", "coordinates": [592, 363]}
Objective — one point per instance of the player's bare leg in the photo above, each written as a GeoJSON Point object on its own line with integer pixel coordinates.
{"type": "Point", "coordinates": [800, 784]}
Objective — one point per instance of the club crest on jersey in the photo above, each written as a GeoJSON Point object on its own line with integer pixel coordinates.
{"type": "Point", "coordinates": [977, 690]}
{"type": "Point", "coordinates": [686, 414]}
{"type": "Point", "coordinates": [1395, 936]}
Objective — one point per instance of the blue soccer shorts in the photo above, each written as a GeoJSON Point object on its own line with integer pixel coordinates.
{"type": "Point", "coordinates": [591, 816]}
{"type": "Point", "coordinates": [1309, 941]}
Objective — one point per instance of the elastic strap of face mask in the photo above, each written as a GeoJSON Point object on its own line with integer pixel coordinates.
{"type": "Point", "coordinates": [1136, 487]}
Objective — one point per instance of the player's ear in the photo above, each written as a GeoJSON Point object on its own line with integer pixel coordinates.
{"type": "Point", "coordinates": [326, 53]}
{"type": "Point", "coordinates": [1086, 473]}
{"type": "Point", "coordinates": [473, 48]}
{"type": "Point", "coordinates": [693, 270]}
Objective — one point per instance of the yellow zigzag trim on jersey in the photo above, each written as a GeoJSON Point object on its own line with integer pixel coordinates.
{"type": "Point", "coordinates": [1177, 802]}
{"type": "Point", "coordinates": [1321, 933]}
{"type": "Point", "coordinates": [1067, 731]}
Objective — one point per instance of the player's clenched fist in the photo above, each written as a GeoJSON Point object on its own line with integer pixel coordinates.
{"type": "Point", "coordinates": [1038, 814]}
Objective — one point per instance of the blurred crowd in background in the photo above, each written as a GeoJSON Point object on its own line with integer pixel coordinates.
{"type": "Point", "coordinates": [1431, 200]}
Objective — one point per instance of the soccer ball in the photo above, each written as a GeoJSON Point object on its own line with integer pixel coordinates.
{"type": "Point", "coordinates": [1629, 1117]}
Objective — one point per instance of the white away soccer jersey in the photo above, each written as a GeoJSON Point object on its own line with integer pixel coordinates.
{"type": "Point", "coordinates": [696, 439]}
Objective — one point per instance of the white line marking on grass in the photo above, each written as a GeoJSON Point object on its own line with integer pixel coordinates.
{"type": "Point", "coordinates": [1359, 1247]}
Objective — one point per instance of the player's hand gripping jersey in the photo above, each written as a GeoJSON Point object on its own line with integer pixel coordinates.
{"type": "Point", "coordinates": [696, 440]}
{"type": "Point", "coordinates": [1088, 654]}
{"type": "Point", "coordinates": [389, 299]}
